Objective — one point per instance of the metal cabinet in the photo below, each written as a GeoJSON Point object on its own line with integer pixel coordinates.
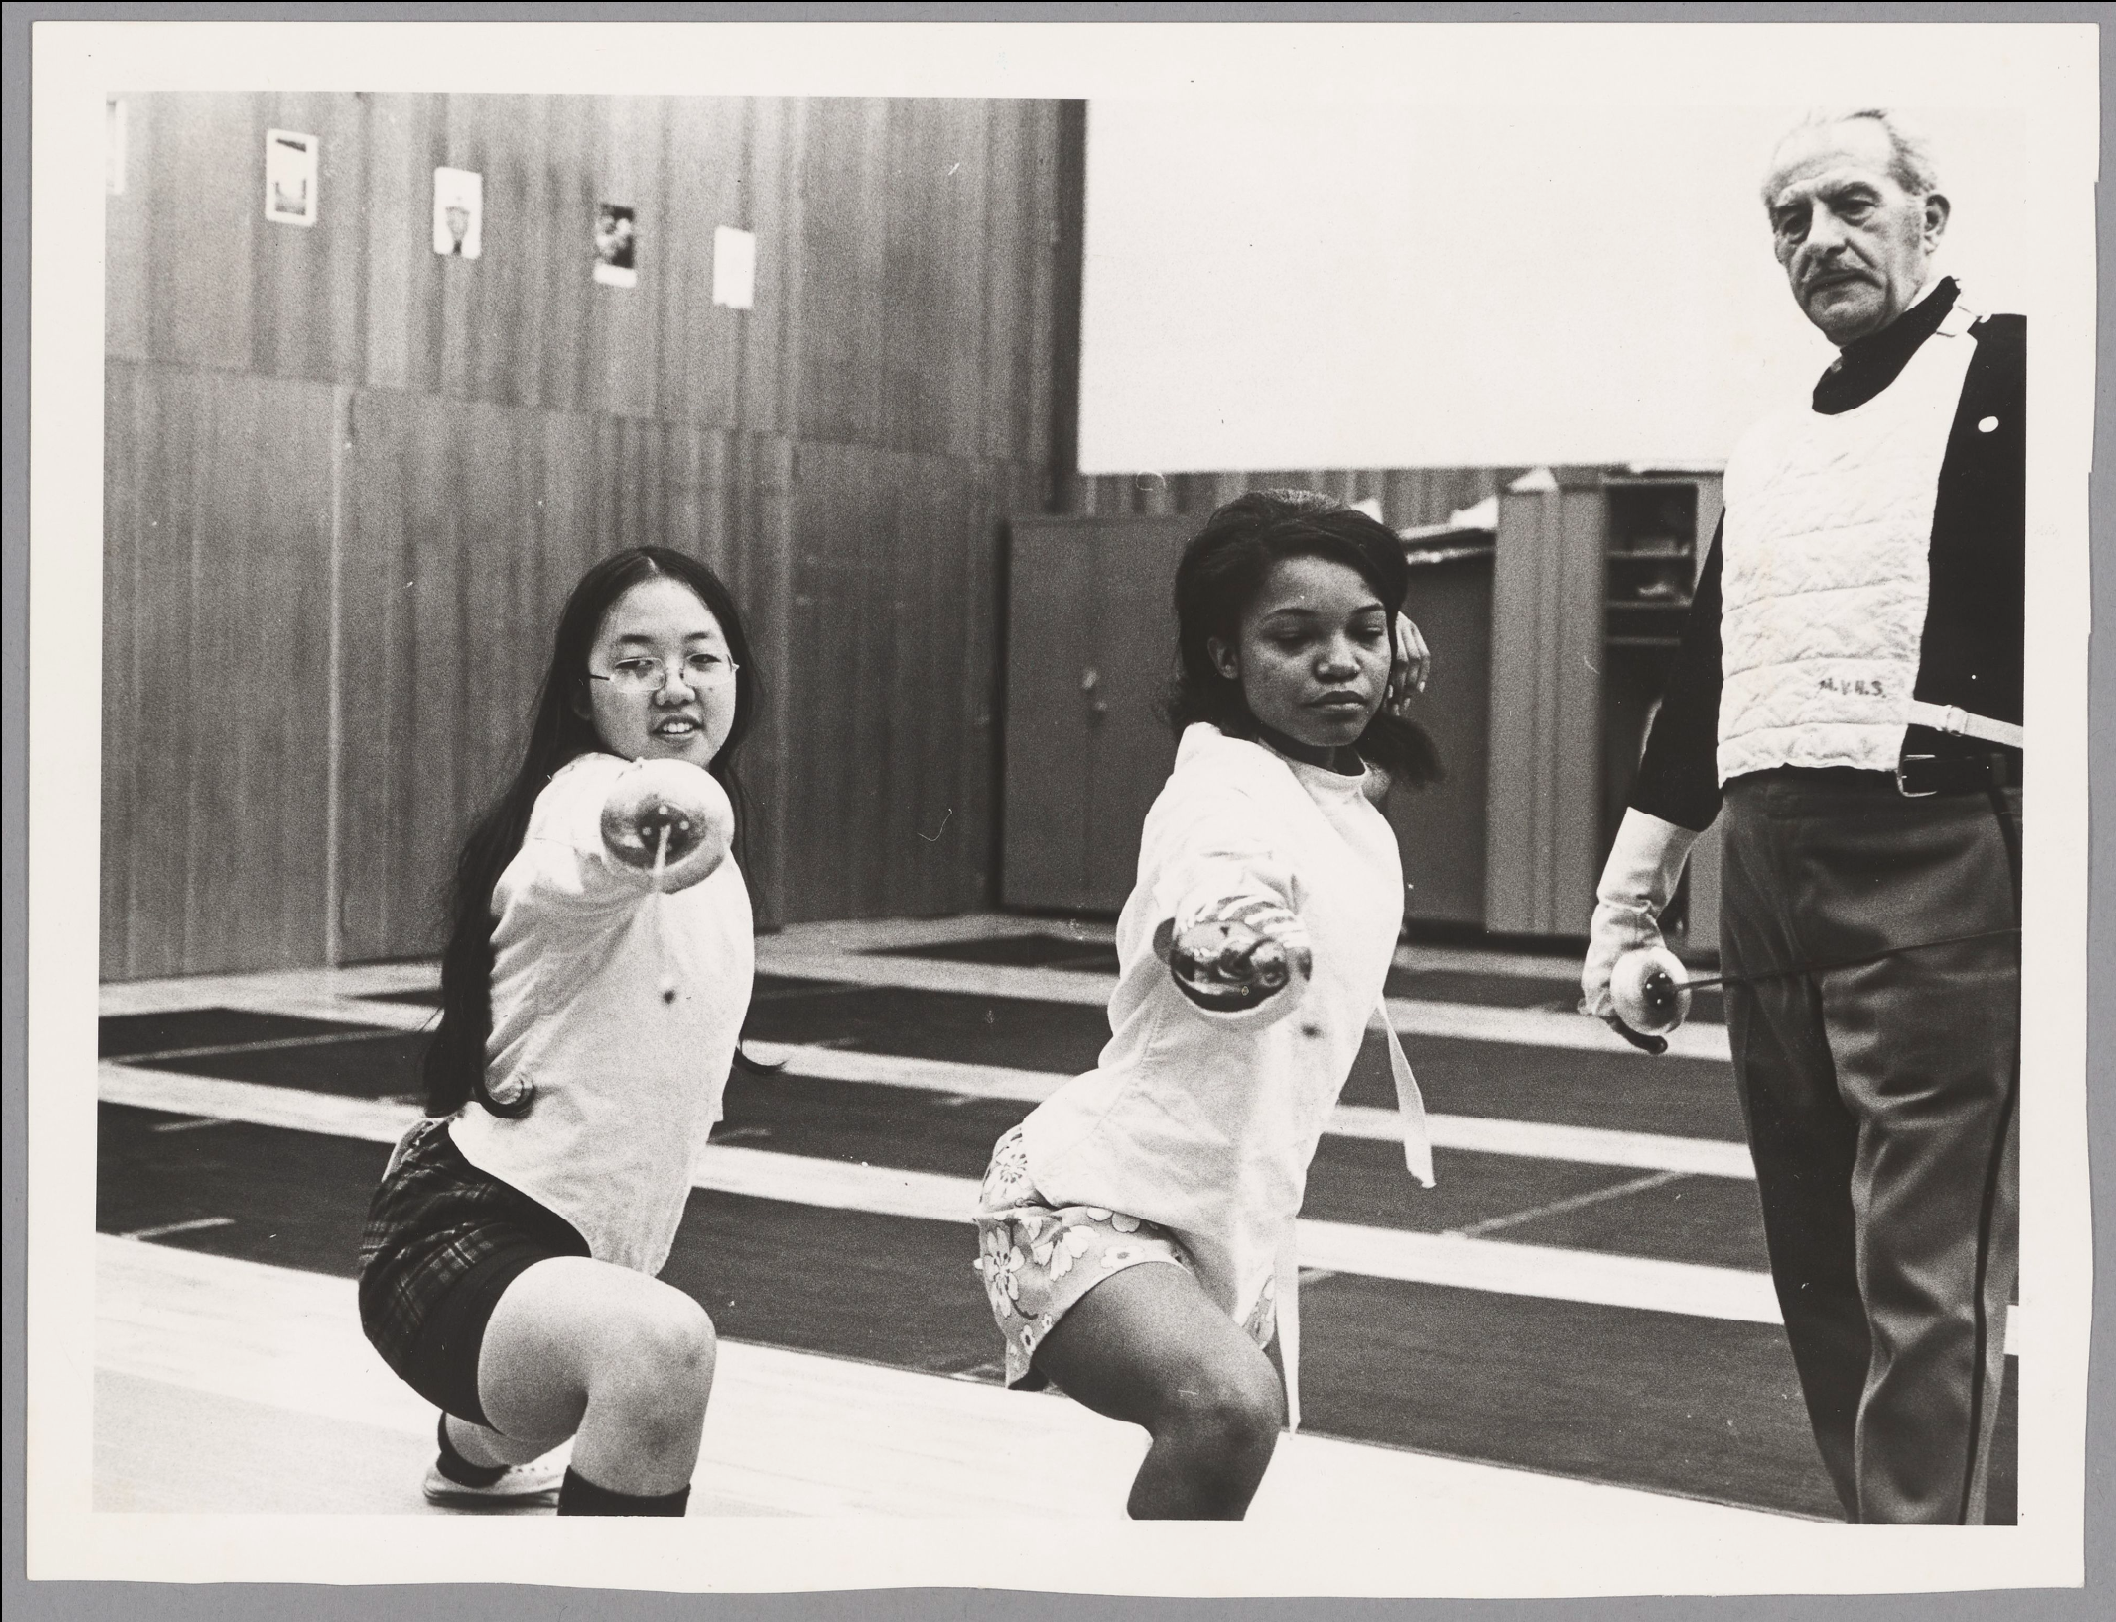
{"type": "Point", "coordinates": [1091, 646]}
{"type": "Point", "coordinates": [1440, 828]}
{"type": "Point", "coordinates": [1591, 584]}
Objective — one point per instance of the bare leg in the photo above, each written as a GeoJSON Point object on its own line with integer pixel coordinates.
{"type": "Point", "coordinates": [616, 1360]}
{"type": "Point", "coordinates": [1147, 1345]}
{"type": "Point", "coordinates": [481, 1444]}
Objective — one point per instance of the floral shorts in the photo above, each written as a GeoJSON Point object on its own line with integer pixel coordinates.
{"type": "Point", "coordinates": [1037, 1260]}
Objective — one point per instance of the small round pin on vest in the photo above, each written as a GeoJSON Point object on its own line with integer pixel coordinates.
{"type": "Point", "coordinates": [1985, 426]}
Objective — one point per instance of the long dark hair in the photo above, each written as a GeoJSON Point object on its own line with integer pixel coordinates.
{"type": "Point", "coordinates": [1223, 569]}
{"type": "Point", "coordinates": [454, 1070]}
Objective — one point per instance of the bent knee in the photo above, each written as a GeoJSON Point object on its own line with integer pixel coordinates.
{"type": "Point", "coordinates": [1234, 1412]}
{"type": "Point", "coordinates": [674, 1335]}
{"type": "Point", "coordinates": [663, 1344]}
{"type": "Point", "coordinates": [656, 1374]}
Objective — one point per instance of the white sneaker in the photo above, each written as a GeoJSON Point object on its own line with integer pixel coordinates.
{"type": "Point", "coordinates": [524, 1486]}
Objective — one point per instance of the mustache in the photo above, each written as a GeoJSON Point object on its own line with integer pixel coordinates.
{"type": "Point", "coordinates": [1823, 275]}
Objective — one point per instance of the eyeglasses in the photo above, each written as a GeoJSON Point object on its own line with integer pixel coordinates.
{"type": "Point", "coordinates": [700, 670]}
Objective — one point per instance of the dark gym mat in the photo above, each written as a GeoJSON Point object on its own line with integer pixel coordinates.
{"type": "Point", "coordinates": [295, 1199]}
{"type": "Point", "coordinates": [380, 1064]}
{"type": "Point", "coordinates": [120, 1036]}
{"type": "Point", "coordinates": [1017, 951]}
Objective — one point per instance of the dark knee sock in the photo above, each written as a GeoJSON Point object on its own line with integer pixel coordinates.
{"type": "Point", "coordinates": [577, 1495]}
{"type": "Point", "coordinates": [459, 1469]}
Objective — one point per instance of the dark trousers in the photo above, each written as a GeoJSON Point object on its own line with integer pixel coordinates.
{"type": "Point", "coordinates": [1881, 1107]}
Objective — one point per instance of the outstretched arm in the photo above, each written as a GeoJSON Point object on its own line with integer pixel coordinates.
{"type": "Point", "coordinates": [595, 844]}
{"type": "Point", "coordinates": [1229, 910]}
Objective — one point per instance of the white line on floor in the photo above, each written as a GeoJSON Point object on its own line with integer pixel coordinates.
{"type": "Point", "coordinates": [242, 990]}
{"type": "Point", "coordinates": [269, 1044]}
{"type": "Point", "coordinates": [195, 1225]}
{"type": "Point", "coordinates": [1501, 1266]}
{"type": "Point", "coordinates": [371, 1119]}
{"type": "Point", "coordinates": [1531, 1027]}
{"type": "Point", "coordinates": [884, 934]}
{"type": "Point", "coordinates": [1577, 1202]}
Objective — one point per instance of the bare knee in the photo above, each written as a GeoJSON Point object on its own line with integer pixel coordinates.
{"type": "Point", "coordinates": [1230, 1414]}
{"type": "Point", "coordinates": [672, 1342]}
{"type": "Point", "coordinates": [656, 1368]}
{"type": "Point", "coordinates": [678, 1331]}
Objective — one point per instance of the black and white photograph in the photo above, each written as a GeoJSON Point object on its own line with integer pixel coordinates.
{"type": "Point", "coordinates": [616, 245]}
{"type": "Point", "coordinates": [734, 267]}
{"type": "Point", "coordinates": [290, 177]}
{"type": "Point", "coordinates": [1273, 776]}
{"type": "Point", "coordinates": [458, 213]}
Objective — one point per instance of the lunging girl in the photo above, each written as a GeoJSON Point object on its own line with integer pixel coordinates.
{"type": "Point", "coordinates": [593, 989]}
{"type": "Point", "coordinates": [1137, 1230]}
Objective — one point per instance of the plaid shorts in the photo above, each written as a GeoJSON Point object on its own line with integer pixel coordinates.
{"type": "Point", "coordinates": [443, 1241]}
{"type": "Point", "coordinates": [1036, 1260]}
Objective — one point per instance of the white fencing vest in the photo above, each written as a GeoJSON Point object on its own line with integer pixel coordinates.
{"type": "Point", "coordinates": [1826, 555]}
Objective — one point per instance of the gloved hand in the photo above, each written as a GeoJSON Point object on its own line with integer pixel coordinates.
{"type": "Point", "coordinates": [1638, 881]}
{"type": "Point", "coordinates": [1233, 954]}
{"type": "Point", "coordinates": [1410, 666]}
{"type": "Point", "coordinates": [670, 818]}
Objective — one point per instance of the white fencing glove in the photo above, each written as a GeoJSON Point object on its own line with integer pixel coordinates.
{"type": "Point", "coordinates": [1638, 881]}
{"type": "Point", "coordinates": [669, 819]}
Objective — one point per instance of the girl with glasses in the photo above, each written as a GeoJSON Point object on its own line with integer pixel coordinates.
{"type": "Point", "coordinates": [593, 989]}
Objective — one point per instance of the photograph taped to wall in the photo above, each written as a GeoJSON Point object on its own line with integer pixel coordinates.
{"type": "Point", "coordinates": [734, 268]}
{"type": "Point", "coordinates": [290, 177]}
{"type": "Point", "coordinates": [458, 213]}
{"type": "Point", "coordinates": [114, 148]}
{"type": "Point", "coordinates": [964, 636]}
{"type": "Point", "coordinates": [616, 245]}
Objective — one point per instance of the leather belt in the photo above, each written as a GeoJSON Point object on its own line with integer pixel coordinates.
{"type": "Point", "coordinates": [1919, 776]}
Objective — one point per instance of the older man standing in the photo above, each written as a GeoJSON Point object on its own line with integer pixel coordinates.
{"type": "Point", "coordinates": [1849, 690]}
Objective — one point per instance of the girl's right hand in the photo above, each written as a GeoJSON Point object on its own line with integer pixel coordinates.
{"type": "Point", "coordinates": [669, 818]}
{"type": "Point", "coordinates": [1229, 963]}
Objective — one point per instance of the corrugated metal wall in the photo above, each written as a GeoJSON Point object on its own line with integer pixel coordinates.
{"type": "Point", "coordinates": [349, 482]}
{"type": "Point", "coordinates": [1408, 496]}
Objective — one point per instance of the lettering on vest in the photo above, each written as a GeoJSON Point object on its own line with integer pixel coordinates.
{"type": "Point", "coordinates": [1858, 686]}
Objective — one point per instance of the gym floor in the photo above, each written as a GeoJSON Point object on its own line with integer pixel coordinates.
{"type": "Point", "coordinates": [1576, 1321]}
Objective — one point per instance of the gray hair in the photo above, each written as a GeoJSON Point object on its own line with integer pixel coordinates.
{"type": "Point", "coordinates": [1910, 162]}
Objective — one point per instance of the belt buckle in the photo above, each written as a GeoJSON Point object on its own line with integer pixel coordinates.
{"type": "Point", "coordinates": [1903, 787]}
